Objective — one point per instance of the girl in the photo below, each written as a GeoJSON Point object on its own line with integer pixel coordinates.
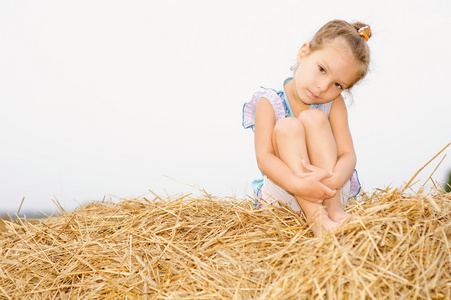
{"type": "Point", "coordinates": [302, 140]}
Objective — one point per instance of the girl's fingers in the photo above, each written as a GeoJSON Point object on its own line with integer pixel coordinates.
{"type": "Point", "coordinates": [320, 191]}
{"type": "Point", "coordinates": [321, 172]}
{"type": "Point", "coordinates": [308, 166]}
{"type": "Point", "coordinates": [330, 192]}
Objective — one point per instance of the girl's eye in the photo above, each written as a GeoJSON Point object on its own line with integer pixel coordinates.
{"type": "Point", "coordinates": [322, 70]}
{"type": "Point", "coordinates": [338, 85]}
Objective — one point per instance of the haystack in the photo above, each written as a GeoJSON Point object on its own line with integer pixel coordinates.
{"type": "Point", "coordinates": [203, 247]}
{"type": "Point", "coordinates": [214, 248]}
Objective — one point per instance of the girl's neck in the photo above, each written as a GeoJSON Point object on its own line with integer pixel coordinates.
{"type": "Point", "coordinates": [296, 103]}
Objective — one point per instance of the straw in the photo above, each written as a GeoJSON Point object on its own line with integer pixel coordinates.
{"type": "Point", "coordinates": [204, 247]}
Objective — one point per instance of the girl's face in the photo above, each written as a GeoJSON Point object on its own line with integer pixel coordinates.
{"type": "Point", "coordinates": [323, 74]}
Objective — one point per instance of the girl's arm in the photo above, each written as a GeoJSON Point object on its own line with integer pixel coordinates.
{"type": "Point", "coordinates": [308, 185]}
{"type": "Point", "coordinates": [346, 160]}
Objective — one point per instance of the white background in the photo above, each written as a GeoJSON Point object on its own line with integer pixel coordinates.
{"type": "Point", "coordinates": [107, 98]}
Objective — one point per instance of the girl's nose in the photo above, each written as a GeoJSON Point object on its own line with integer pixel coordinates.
{"type": "Point", "coordinates": [321, 85]}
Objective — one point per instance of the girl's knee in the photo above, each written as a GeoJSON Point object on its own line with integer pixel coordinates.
{"type": "Point", "coordinates": [288, 127]}
{"type": "Point", "coordinates": [313, 116]}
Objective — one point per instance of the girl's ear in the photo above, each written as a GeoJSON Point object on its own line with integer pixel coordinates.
{"type": "Point", "coordinates": [303, 52]}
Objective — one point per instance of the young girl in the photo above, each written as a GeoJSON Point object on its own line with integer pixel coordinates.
{"type": "Point", "coordinates": [302, 140]}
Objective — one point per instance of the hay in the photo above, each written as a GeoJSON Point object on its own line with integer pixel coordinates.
{"type": "Point", "coordinates": [211, 248]}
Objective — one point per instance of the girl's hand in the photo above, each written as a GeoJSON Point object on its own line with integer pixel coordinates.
{"type": "Point", "coordinates": [312, 189]}
{"type": "Point", "coordinates": [334, 181]}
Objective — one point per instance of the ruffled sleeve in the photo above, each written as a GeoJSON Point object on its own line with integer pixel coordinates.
{"type": "Point", "coordinates": [249, 108]}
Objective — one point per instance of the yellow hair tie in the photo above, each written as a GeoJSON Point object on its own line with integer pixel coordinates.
{"type": "Point", "coordinates": [365, 32]}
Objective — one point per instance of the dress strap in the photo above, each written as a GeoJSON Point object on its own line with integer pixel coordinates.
{"type": "Point", "coordinates": [285, 97]}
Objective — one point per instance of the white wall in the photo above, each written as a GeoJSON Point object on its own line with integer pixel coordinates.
{"type": "Point", "coordinates": [105, 97]}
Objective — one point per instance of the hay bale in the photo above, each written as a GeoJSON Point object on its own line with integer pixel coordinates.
{"type": "Point", "coordinates": [2, 226]}
{"type": "Point", "coordinates": [211, 248]}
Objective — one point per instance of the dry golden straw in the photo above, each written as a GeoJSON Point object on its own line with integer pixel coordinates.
{"type": "Point", "coordinates": [215, 248]}
{"type": "Point", "coordinates": [208, 248]}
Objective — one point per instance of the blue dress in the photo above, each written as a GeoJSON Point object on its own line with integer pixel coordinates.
{"type": "Point", "coordinates": [282, 109]}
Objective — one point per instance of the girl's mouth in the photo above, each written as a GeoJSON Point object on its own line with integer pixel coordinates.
{"type": "Point", "coordinates": [312, 95]}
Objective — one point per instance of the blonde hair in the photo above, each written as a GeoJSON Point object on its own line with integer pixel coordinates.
{"type": "Point", "coordinates": [349, 32]}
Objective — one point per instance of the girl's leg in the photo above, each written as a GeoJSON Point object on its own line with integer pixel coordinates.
{"type": "Point", "coordinates": [289, 141]}
{"type": "Point", "coordinates": [322, 151]}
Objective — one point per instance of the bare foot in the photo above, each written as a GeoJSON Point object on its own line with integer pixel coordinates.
{"type": "Point", "coordinates": [322, 224]}
{"type": "Point", "coordinates": [338, 215]}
